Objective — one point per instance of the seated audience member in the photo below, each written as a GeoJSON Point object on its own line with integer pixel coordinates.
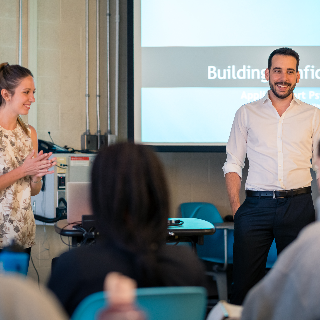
{"type": "Point", "coordinates": [22, 299]}
{"type": "Point", "coordinates": [291, 289]}
{"type": "Point", "coordinates": [130, 202]}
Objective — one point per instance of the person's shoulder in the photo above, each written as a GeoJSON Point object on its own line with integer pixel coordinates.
{"type": "Point", "coordinates": [32, 131]}
{"type": "Point", "coordinates": [305, 105]}
{"type": "Point", "coordinates": [252, 105]}
{"type": "Point", "coordinates": [76, 257]}
{"type": "Point", "coordinates": [71, 265]}
{"type": "Point", "coordinates": [181, 254]}
{"type": "Point", "coordinates": [81, 251]}
{"type": "Point", "coordinates": [308, 239]}
{"type": "Point", "coordinates": [310, 233]}
{"type": "Point", "coordinates": [302, 250]}
{"type": "Point", "coordinates": [181, 266]}
{"type": "Point", "coordinates": [34, 303]}
{"type": "Point", "coordinates": [31, 128]}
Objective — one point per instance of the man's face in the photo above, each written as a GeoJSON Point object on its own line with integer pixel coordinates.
{"type": "Point", "coordinates": [282, 75]}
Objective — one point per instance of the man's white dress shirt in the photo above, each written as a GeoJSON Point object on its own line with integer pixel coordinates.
{"type": "Point", "coordinates": [279, 149]}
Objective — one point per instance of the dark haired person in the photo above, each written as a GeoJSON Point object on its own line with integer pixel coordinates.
{"type": "Point", "coordinates": [21, 166]}
{"type": "Point", "coordinates": [130, 201]}
{"type": "Point", "coordinates": [278, 134]}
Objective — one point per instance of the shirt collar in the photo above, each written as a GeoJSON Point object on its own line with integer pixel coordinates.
{"type": "Point", "coordinates": [266, 98]}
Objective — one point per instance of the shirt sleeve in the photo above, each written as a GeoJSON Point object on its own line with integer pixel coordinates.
{"type": "Point", "coordinates": [237, 144]}
{"type": "Point", "coordinates": [315, 140]}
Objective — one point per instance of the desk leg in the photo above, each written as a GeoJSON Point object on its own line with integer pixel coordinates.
{"type": "Point", "coordinates": [225, 235]}
{"type": "Point", "coordinates": [194, 246]}
{"type": "Point", "coordinates": [76, 240]}
{"type": "Point", "coordinates": [220, 275]}
{"type": "Point", "coordinates": [196, 240]}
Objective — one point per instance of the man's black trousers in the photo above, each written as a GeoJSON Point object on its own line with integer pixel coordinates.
{"type": "Point", "coordinates": [256, 223]}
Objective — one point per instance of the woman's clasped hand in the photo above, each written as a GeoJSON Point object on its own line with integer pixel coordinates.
{"type": "Point", "coordinates": [38, 166]}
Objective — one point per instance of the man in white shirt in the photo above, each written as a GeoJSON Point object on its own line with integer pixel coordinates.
{"type": "Point", "coordinates": [278, 133]}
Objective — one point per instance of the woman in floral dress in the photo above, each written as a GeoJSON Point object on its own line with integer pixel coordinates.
{"type": "Point", "coordinates": [21, 166]}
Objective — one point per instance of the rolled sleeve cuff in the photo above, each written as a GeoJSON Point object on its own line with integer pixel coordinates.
{"type": "Point", "coordinates": [231, 167]}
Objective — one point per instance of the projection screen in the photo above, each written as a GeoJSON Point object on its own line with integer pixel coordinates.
{"type": "Point", "coordinates": [196, 62]}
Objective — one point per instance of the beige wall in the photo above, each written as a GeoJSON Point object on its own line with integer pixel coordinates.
{"type": "Point", "coordinates": [61, 70]}
{"type": "Point", "coordinates": [60, 82]}
{"type": "Point", "coordinates": [61, 65]}
{"type": "Point", "coordinates": [9, 31]}
{"type": "Point", "coordinates": [196, 177]}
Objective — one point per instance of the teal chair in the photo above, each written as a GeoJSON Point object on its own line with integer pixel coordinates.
{"type": "Point", "coordinates": [163, 303]}
{"type": "Point", "coordinates": [14, 262]}
{"type": "Point", "coordinates": [272, 256]}
{"type": "Point", "coordinates": [213, 249]}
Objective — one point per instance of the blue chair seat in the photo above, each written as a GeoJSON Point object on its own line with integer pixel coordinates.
{"type": "Point", "coordinates": [14, 262]}
{"type": "Point", "coordinates": [169, 303]}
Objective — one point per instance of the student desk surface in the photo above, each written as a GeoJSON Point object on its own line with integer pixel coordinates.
{"type": "Point", "coordinates": [192, 230]}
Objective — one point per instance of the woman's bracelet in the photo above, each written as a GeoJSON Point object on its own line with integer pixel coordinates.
{"type": "Point", "coordinates": [35, 181]}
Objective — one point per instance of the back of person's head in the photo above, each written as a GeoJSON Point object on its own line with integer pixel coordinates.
{"type": "Point", "coordinates": [23, 298]}
{"type": "Point", "coordinates": [129, 196]}
{"type": "Point", "coordinates": [10, 78]}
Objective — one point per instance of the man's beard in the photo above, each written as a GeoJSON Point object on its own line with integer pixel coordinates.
{"type": "Point", "coordinates": [285, 95]}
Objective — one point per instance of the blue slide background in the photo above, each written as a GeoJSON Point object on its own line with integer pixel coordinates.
{"type": "Point", "coordinates": [229, 23]}
{"type": "Point", "coordinates": [203, 115]}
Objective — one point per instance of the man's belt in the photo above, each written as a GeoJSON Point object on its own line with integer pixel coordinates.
{"type": "Point", "coordinates": [278, 193]}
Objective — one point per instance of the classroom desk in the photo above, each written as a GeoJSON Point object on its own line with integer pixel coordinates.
{"type": "Point", "coordinates": [66, 229]}
{"type": "Point", "coordinates": [192, 230]}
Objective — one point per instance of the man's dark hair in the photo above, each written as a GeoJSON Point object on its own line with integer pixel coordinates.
{"type": "Point", "coordinates": [130, 200]}
{"type": "Point", "coordinates": [284, 52]}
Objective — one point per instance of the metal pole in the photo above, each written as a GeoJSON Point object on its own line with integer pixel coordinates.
{"type": "Point", "coordinates": [20, 34]}
{"type": "Point", "coordinates": [108, 69]}
{"type": "Point", "coordinates": [98, 76]}
{"type": "Point", "coordinates": [87, 68]}
{"type": "Point", "coordinates": [116, 106]}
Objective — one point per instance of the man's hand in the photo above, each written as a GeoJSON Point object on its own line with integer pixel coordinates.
{"type": "Point", "coordinates": [234, 208]}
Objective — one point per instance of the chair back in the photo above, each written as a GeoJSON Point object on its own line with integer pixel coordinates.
{"type": "Point", "coordinates": [213, 248]}
{"type": "Point", "coordinates": [272, 256]}
{"type": "Point", "coordinates": [169, 303]}
{"type": "Point", "coordinates": [14, 262]}
{"type": "Point", "coordinates": [201, 210]}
